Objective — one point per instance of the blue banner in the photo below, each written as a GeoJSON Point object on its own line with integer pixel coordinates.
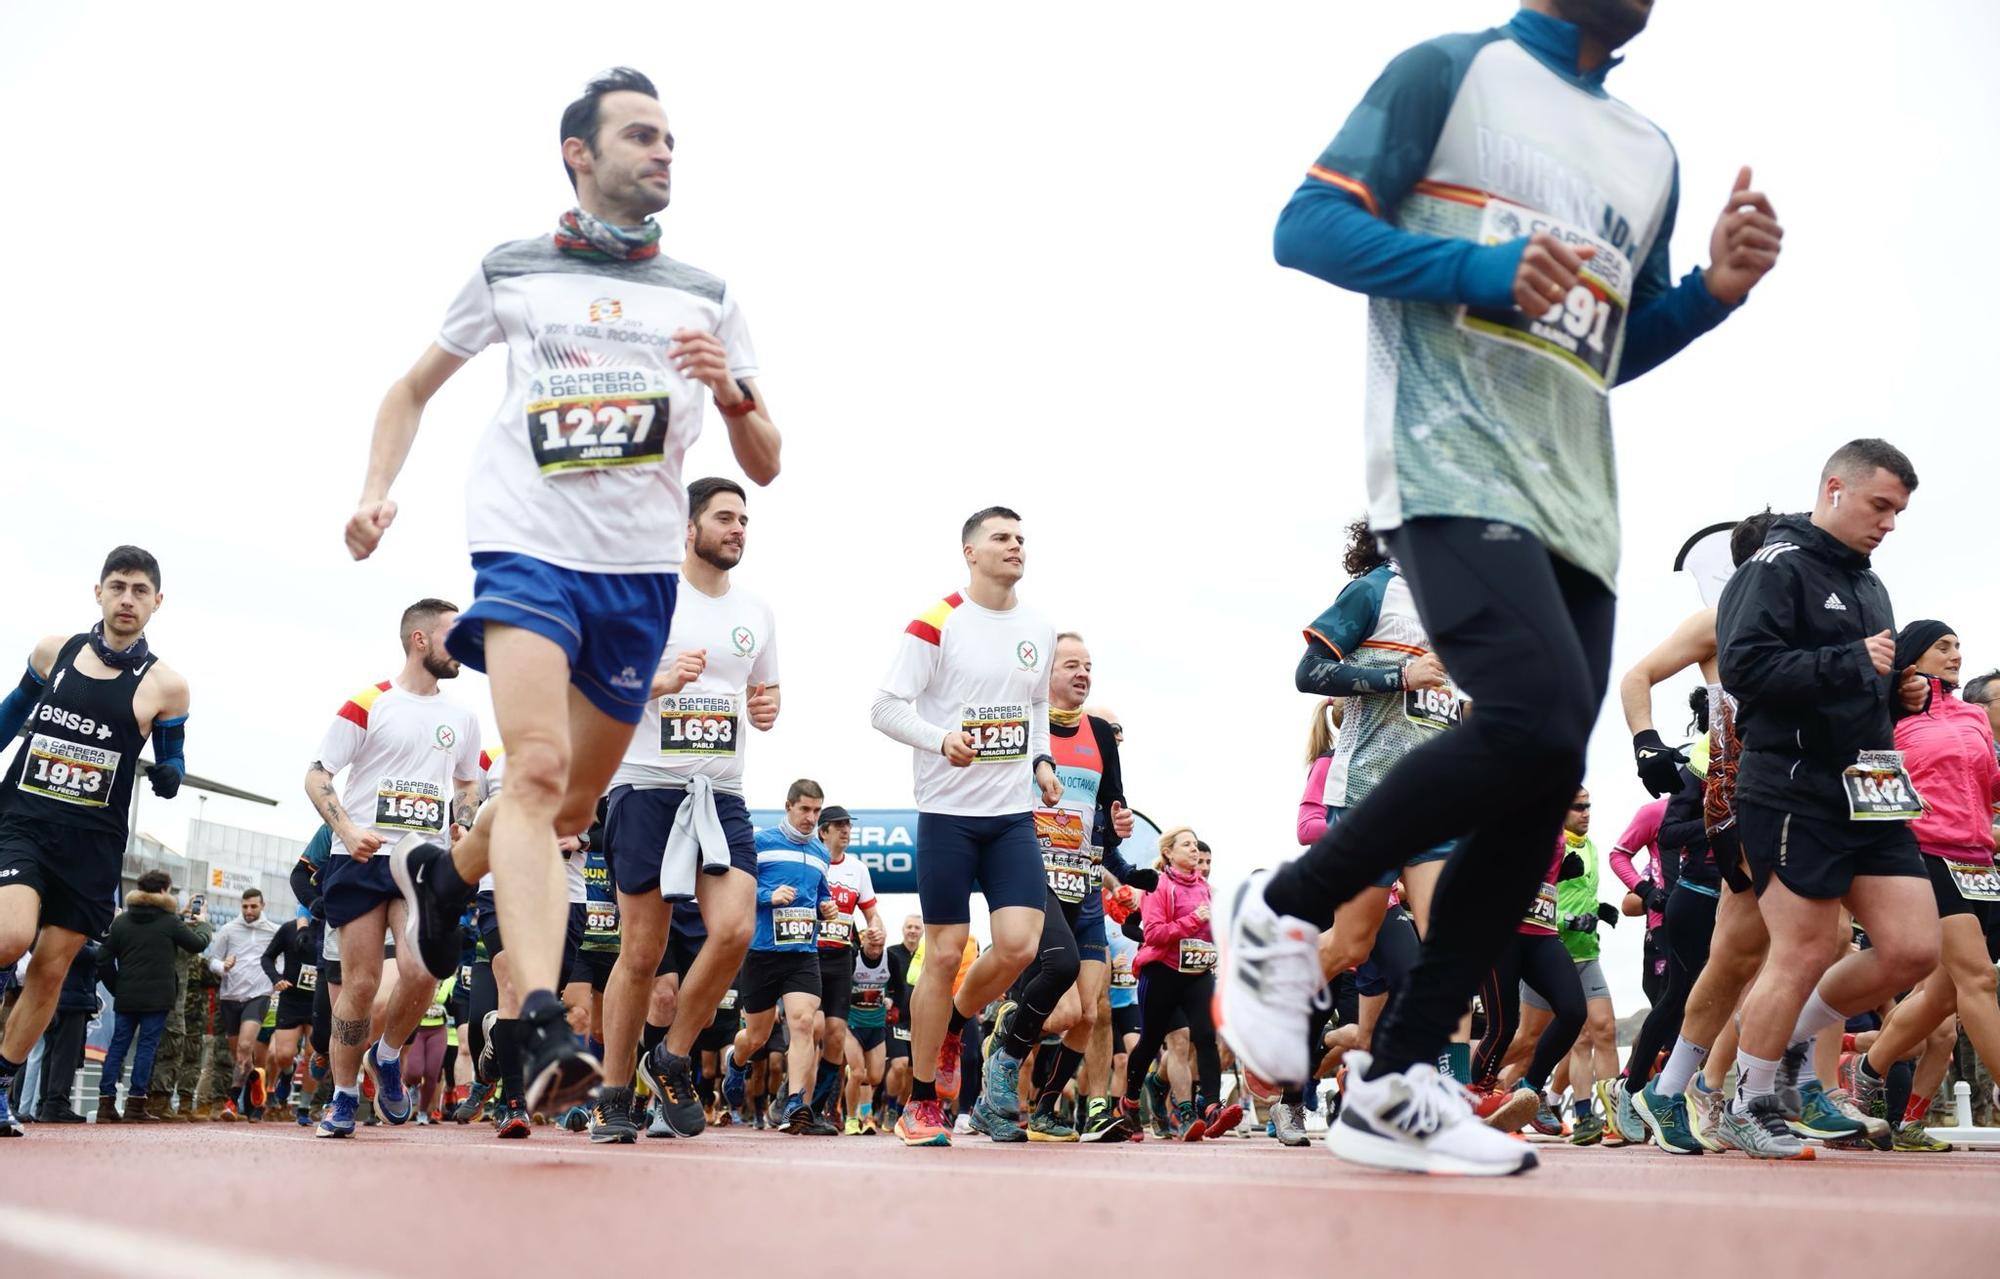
{"type": "Point", "coordinates": [886, 839]}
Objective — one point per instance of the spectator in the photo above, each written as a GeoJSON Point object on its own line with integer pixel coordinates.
{"type": "Point", "coordinates": [137, 965]}
{"type": "Point", "coordinates": [177, 1065]}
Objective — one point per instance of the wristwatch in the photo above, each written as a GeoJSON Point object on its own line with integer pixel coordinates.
{"type": "Point", "coordinates": [743, 407]}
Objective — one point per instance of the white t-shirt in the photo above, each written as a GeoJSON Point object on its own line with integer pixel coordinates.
{"type": "Point", "coordinates": [853, 892]}
{"type": "Point", "coordinates": [492, 767]}
{"type": "Point", "coordinates": [704, 729]}
{"type": "Point", "coordinates": [403, 754]}
{"type": "Point", "coordinates": [968, 668]}
{"type": "Point", "coordinates": [581, 467]}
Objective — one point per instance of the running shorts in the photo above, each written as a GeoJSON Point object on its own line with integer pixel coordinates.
{"type": "Point", "coordinates": [1819, 859]}
{"type": "Point", "coordinates": [769, 975]}
{"type": "Point", "coordinates": [1952, 901]}
{"type": "Point", "coordinates": [74, 871]}
{"type": "Point", "coordinates": [836, 981]}
{"type": "Point", "coordinates": [999, 855]}
{"type": "Point", "coordinates": [636, 822]}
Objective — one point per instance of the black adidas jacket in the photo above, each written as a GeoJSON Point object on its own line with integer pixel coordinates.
{"type": "Point", "coordinates": [1790, 629]}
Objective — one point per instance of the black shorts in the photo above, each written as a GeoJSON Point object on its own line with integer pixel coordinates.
{"type": "Point", "coordinates": [679, 956]}
{"type": "Point", "coordinates": [769, 975]}
{"type": "Point", "coordinates": [998, 854]}
{"type": "Point", "coordinates": [636, 823]}
{"type": "Point", "coordinates": [836, 981]}
{"type": "Point", "coordinates": [715, 1036]}
{"type": "Point", "coordinates": [1124, 1021]}
{"type": "Point", "coordinates": [232, 1013]}
{"type": "Point", "coordinates": [1950, 901]}
{"type": "Point", "coordinates": [74, 871]}
{"type": "Point", "coordinates": [295, 1009]}
{"type": "Point", "coordinates": [329, 971]}
{"type": "Point", "coordinates": [1819, 859]}
{"type": "Point", "coordinates": [899, 1040]}
{"type": "Point", "coordinates": [595, 967]}
{"type": "Point", "coordinates": [487, 918]}
{"type": "Point", "coordinates": [352, 888]}
{"type": "Point", "coordinates": [868, 1037]}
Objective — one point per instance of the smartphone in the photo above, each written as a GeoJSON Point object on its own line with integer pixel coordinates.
{"type": "Point", "coordinates": [195, 903]}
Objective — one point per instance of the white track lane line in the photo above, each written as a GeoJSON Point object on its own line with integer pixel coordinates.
{"type": "Point", "coordinates": [93, 1244]}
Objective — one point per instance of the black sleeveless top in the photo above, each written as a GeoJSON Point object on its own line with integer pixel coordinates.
{"type": "Point", "coordinates": [77, 766]}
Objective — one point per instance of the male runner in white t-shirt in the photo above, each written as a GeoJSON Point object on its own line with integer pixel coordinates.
{"type": "Point", "coordinates": [716, 678]}
{"type": "Point", "coordinates": [576, 518]}
{"type": "Point", "coordinates": [412, 763]}
{"type": "Point", "coordinates": [968, 692]}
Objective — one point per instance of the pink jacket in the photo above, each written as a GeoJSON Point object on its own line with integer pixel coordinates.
{"type": "Point", "coordinates": [1643, 835]}
{"type": "Point", "coordinates": [1169, 914]}
{"type": "Point", "coordinates": [1949, 752]}
{"type": "Point", "coordinates": [1312, 804]}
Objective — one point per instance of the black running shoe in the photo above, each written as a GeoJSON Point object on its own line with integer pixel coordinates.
{"type": "Point", "coordinates": [819, 1125]}
{"type": "Point", "coordinates": [672, 1078]}
{"type": "Point", "coordinates": [559, 1073]}
{"type": "Point", "coordinates": [433, 925]}
{"type": "Point", "coordinates": [611, 1120]}
{"type": "Point", "coordinates": [513, 1121]}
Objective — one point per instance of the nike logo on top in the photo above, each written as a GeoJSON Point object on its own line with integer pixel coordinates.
{"type": "Point", "coordinates": [1833, 602]}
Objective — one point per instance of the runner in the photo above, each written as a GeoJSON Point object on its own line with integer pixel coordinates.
{"type": "Point", "coordinates": [235, 956]}
{"type": "Point", "coordinates": [1539, 961]}
{"type": "Point", "coordinates": [1079, 839]}
{"type": "Point", "coordinates": [1594, 1055]}
{"type": "Point", "coordinates": [677, 802]}
{"type": "Point", "coordinates": [90, 703]}
{"type": "Point", "coordinates": [1491, 475]}
{"type": "Point", "coordinates": [897, 1052]}
{"type": "Point", "coordinates": [576, 518]}
{"type": "Point", "coordinates": [868, 1028]}
{"type": "Point", "coordinates": [1948, 749]}
{"type": "Point", "coordinates": [1176, 966]}
{"type": "Point", "coordinates": [412, 764]}
{"type": "Point", "coordinates": [853, 890]}
{"type": "Point", "coordinates": [291, 965]}
{"type": "Point", "coordinates": [1806, 637]}
{"type": "Point", "coordinates": [968, 692]}
{"type": "Point", "coordinates": [1124, 996]}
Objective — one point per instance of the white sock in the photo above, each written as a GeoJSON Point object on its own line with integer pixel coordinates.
{"type": "Point", "coordinates": [383, 1052]}
{"type": "Point", "coordinates": [1682, 1062]}
{"type": "Point", "coordinates": [1816, 1016]}
{"type": "Point", "coordinates": [1759, 1078]}
{"type": "Point", "coordinates": [354, 1092]}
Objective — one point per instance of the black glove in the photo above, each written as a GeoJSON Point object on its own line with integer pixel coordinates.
{"type": "Point", "coordinates": [1654, 898]}
{"type": "Point", "coordinates": [1659, 763]}
{"type": "Point", "coordinates": [166, 780]}
{"type": "Point", "coordinates": [1145, 880]}
{"type": "Point", "coordinates": [1608, 913]}
{"type": "Point", "coordinates": [1572, 866]}
{"type": "Point", "coordinates": [318, 908]}
{"type": "Point", "coordinates": [1580, 924]}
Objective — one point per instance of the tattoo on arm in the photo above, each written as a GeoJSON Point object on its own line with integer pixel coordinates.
{"type": "Point", "coordinates": [464, 809]}
{"type": "Point", "coordinates": [350, 1032]}
{"type": "Point", "coordinates": [323, 798]}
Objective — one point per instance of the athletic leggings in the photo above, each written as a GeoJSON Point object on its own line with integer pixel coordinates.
{"type": "Point", "coordinates": [1164, 989]}
{"type": "Point", "coordinates": [485, 998]}
{"type": "Point", "coordinates": [1041, 985]}
{"type": "Point", "coordinates": [423, 1065]}
{"type": "Point", "coordinates": [1690, 924]}
{"type": "Point", "coordinates": [322, 1022]}
{"type": "Point", "coordinates": [1541, 960]}
{"type": "Point", "coordinates": [1528, 637]}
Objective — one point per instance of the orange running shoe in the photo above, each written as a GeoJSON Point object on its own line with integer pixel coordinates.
{"type": "Point", "coordinates": [950, 1054]}
{"type": "Point", "coordinates": [922, 1123]}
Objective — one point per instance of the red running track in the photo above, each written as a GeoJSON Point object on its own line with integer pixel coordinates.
{"type": "Point", "coordinates": [166, 1201]}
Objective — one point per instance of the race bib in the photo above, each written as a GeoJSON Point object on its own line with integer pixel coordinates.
{"type": "Point", "coordinates": [1123, 978]}
{"type": "Point", "coordinates": [1974, 882]}
{"type": "Point", "coordinates": [1879, 789]}
{"type": "Point", "coordinates": [1197, 956]}
{"type": "Point", "coordinates": [601, 919]}
{"type": "Point", "coordinates": [69, 771]}
{"type": "Point", "coordinates": [999, 733]}
{"type": "Point", "coordinates": [727, 1004]}
{"type": "Point", "coordinates": [308, 978]}
{"type": "Point", "coordinates": [699, 724]}
{"type": "Point", "coordinates": [1433, 708]}
{"type": "Point", "coordinates": [794, 925]}
{"type": "Point", "coordinates": [902, 1033]}
{"type": "Point", "coordinates": [409, 805]}
{"type": "Point", "coordinates": [1580, 332]}
{"type": "Point", "coordinates": [867, 997]}
{"type": "Point", "coordinates": [1065, 858]}
{"type": "Point", "coordinates": [1542, 914]}
{"type": "Point", "coordinates": [434, 1013]}
{"type": "Point", "coordinates": [589, 432]}
{"type": "Point", "coordinates": [836, 932]}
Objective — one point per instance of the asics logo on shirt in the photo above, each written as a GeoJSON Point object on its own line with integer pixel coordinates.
{"type": "Point", "coordinates": [1833, 603]}
{"type": "Point", "coordinates": [627, 678]}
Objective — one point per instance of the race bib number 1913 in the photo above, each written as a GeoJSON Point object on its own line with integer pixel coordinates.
{"type": "Point", "coordinates": [72, 772]}
{"type": "Point", "coordinates": [1580, 332]}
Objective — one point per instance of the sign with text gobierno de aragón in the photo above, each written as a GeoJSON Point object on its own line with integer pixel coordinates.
{"type": "Point", "coordinates": [886, 839]}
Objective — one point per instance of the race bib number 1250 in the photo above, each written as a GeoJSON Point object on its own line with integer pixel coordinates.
{"type": "Point", "coordinates": [999, 733]}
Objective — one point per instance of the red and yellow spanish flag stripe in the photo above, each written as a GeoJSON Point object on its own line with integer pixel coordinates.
{"type": "Point", "coordinates": [1359, 190]}
{"type": "Point", "coordinates": [355, 709]}
{"type": "Point", "coordinates": [929, 626]}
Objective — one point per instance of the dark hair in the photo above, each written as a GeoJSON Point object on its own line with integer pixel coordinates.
{"type": "Point", "coordinates": [801, 789]}
{"type": "Point", "coordinates": [1748, 536]}
{"type": "Point", "coordinates": [1859, 458]}
{"type": "Point", "coordinates": [131, 559]}
{"type": "Point", "coordinates": [977, 518]}
{"type": "Point", "coordinates": [1201, 845]}
{"type": "Point", "coordinates": [1981, 689]}
{"type": "Point", "coordinates": [1364, 550]}
{"type": "Point", "coordinates": [155, 881]}
{"type": "Point", "coordinates": [248, 893]}
{"type": "Point", "coordinates": [420, 615]}
{"type": "Point", "coordinates": [703, 491]}
{"type": "Point", "coordinates": [1698, 704]}
{"type": "Point", "coordinates": [579, 118]}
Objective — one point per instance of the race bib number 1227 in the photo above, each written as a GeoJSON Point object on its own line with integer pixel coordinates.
{"type": "Point", "coordinates": [575, 433]}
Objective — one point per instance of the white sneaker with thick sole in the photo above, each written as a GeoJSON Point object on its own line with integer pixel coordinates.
{"type": "Point", "coordinates": [1417, 1121]}
{"type": "Point", "coordinates": [1270, 976]}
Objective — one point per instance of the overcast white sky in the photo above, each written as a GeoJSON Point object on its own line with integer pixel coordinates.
{"type": "Point", "coordinates": [1016, 254]}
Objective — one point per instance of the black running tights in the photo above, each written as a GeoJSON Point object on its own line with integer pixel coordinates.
{"type": "Point", "coordinates": [1542, 961]}
{"type": "Point", "coordinates": [1163, 990]}
{"type": "Point", "coordinates": [1690, 924]}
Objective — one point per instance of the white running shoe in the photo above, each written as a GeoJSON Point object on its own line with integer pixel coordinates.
{"type": "Point", "coordinates": [1270, 977]}
{"type": "Point", "coordinates": [1418, 1121]}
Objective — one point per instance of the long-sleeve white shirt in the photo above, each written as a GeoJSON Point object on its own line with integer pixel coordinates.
{"type": "Point", "coordinates": [247, 942]}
